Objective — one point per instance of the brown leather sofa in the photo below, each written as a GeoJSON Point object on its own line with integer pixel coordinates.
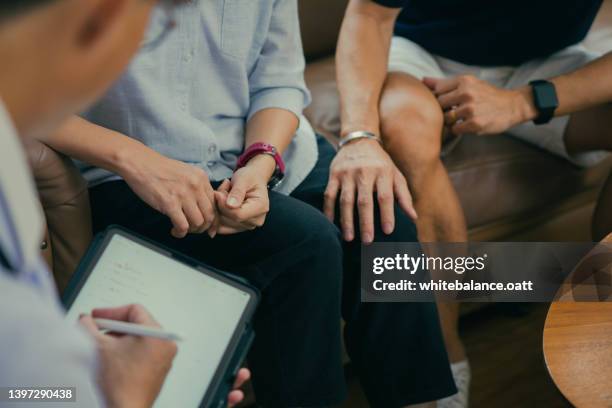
{"type": "Point", "coordinates": [64, 198]}
{"type": "Point", "coordinates": [509, 190]}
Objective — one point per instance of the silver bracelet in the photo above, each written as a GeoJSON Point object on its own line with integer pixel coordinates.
{"type": "Point", "coordinates": [360, 134]}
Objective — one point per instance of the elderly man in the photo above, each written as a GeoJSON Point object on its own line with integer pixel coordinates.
{"type": "Point", "coordinates": [409, 69]}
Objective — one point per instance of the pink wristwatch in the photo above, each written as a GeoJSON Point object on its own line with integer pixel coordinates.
{"type": "Point", "coordinates": [264, 148]}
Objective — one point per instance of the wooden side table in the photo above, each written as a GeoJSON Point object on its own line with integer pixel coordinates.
{"type": "Point", "coordinates": [578, 351]}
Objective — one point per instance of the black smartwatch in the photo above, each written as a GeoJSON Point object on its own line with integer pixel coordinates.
{"type": "Point", "coordinates": [545, 100]}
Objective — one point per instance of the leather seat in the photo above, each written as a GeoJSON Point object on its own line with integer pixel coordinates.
{"type": "Point", "coordinates": [65, 201]}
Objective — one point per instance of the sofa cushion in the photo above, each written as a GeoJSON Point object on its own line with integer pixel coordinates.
{"type": "Point", "coordinates": [496, 177]}
{"type": "Point", "coordinates": [320, 22]}
{"type": "Point", "coordinates": [65, 200]}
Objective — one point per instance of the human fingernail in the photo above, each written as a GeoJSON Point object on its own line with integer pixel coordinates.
{"type": "Point", "coordinates": [232, 201]}
{"type": "Point", "coordinates": [387, 228]}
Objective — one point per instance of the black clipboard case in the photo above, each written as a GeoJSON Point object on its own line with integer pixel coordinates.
{"type": "Point", "coordinates": [235, 353]}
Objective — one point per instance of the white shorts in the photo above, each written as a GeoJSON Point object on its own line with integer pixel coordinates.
{"type": "Point", "coordinates": [410, 58]}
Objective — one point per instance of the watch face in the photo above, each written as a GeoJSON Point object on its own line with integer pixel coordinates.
{"type": "Point", "coordinates": [276, 180]}
{"type": "Point", "coordinates": [545, 100]}
{"type": "Point", "coordinates": [546, 96]}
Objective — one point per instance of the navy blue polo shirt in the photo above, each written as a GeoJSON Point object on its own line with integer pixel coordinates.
{"type": "Point", "coordinates": [492, 32]}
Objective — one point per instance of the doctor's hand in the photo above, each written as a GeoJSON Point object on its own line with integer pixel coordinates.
{"type": "Point", "coordinates": [236, 395]}
{"type": "Point", "coordinates": [474, 106]}
{"type": "Point", "coordinates": [132, 368]}
{"type": "Point", "coordinates": [243, 203]}
{"type": "Point", "coordinates": [176, 189]}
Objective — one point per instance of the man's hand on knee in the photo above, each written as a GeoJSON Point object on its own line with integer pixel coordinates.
{"type": "Point", "coordinates": [360, 169]}
{"type": "Point", "coordinates": [474, 106]}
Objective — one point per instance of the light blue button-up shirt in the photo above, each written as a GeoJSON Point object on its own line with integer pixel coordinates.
{"type": "Point", "coordinates": [190, 97]}
{"type": "Point", "coordinates": [38, 346]}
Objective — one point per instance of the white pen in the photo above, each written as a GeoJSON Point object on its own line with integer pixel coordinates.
{"type": "Point", "coordinates": [135, 329]}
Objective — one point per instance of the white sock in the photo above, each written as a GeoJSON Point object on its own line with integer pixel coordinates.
{"type": "Point", "coordinates": [462, 376]}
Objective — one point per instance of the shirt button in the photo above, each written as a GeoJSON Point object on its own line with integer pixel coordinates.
{"type": "Point", "coordinates": [210, 164]}
{"type": "Point", "coordinates": [188, 57]}
{"type": "Point", "coordinates": [212, 149]}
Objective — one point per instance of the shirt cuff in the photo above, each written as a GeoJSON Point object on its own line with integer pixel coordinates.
{"type": "Point", "coordinates": [290, 99]}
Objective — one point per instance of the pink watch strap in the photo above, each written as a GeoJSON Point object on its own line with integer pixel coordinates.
{"type": "Point", "coordinates": [261, 148]}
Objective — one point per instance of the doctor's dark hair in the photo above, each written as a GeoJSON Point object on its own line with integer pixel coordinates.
{"type": "Point", "coordinates": [12, 8]}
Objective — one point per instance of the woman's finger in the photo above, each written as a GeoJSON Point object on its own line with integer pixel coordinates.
{"type": "Point", "coordinates": [195, 217]}
{"type": "Point", "coordinates": [180, 225]}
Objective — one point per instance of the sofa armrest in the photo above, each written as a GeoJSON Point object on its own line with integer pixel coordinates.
{"type": "Point", "coordinates": [65, 201]}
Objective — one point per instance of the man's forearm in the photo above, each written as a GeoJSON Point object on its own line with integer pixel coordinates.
{"type": "Point", "coordinates": [362, 59]}
{"type": "Point", "coordinates": [582, 89]}
{"type": "Point", "coordinates": [586, 87]}
{"type": "Point", "coordinates": [93, 144]}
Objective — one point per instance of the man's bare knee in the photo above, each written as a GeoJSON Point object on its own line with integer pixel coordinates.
{"type": "Point", "coordinates": [411, 119]}
{"type": "Point", "coordinates": [405, 98]}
